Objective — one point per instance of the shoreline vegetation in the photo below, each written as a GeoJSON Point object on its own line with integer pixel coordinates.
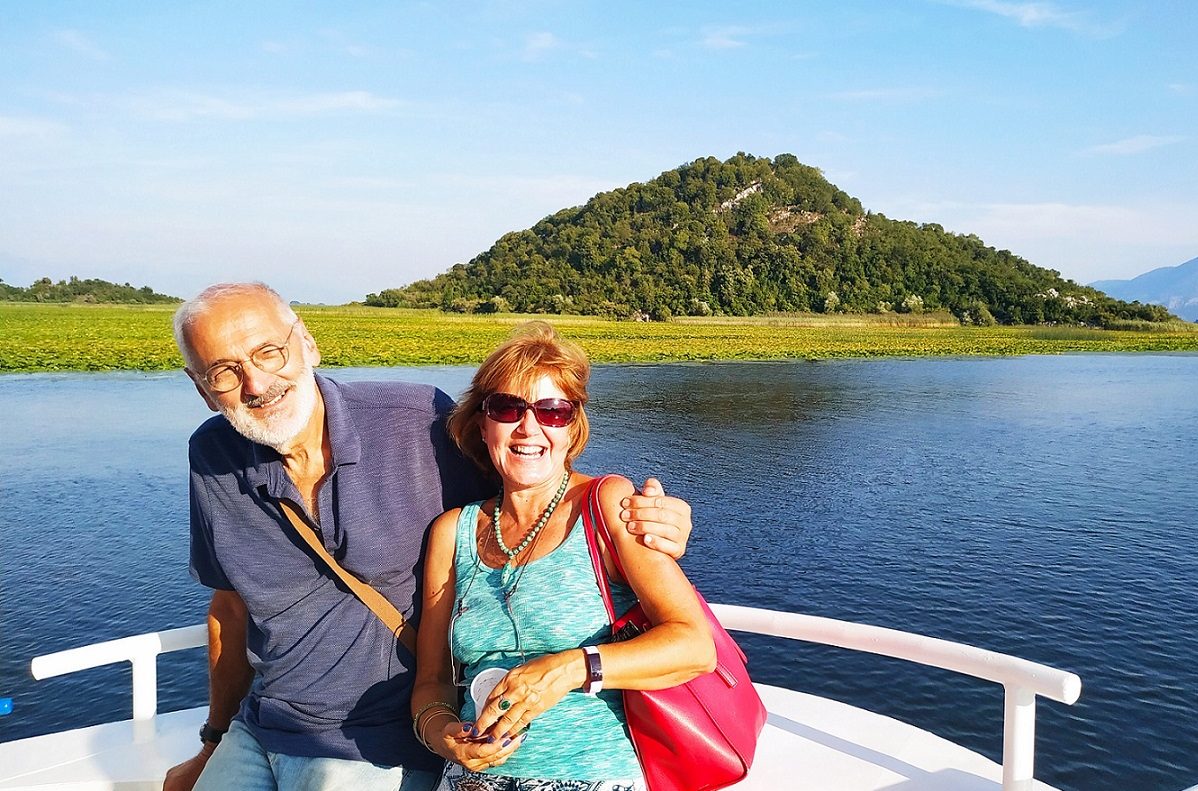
{"type": "Point", "coordinates": [72, 337]}
{"type": "Point", "coordinates": [89, 291]}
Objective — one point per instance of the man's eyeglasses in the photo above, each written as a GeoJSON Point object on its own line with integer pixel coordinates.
{"type": "Point", "coordinates": [267, 358]}
{"type": "Point", "coordinates": [508, 408]}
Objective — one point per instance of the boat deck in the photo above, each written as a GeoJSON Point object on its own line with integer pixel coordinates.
{"type": "Point", "coordinates": [809, 742]}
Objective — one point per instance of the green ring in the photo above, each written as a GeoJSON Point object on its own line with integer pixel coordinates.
{"type": "Point", "coordinates": [504, 704]}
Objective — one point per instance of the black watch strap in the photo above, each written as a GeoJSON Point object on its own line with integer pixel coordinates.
{"type": "Point", "coordinates": [210, 734]}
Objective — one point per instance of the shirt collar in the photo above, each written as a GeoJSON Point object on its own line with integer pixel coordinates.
{"type": "Point", "coordinates": [343, 434]}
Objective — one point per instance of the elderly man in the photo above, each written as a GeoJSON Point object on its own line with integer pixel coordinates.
{"type": "Point", "coordinates": [369, 465]}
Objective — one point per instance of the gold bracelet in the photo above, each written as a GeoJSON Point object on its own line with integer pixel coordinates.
{"type": "Point", "coordinates": [449, 708]}
{"type": "Point", "coordinates": [429, 719]}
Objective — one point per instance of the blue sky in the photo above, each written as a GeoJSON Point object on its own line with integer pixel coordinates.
{"type": "Point", "coordinates": [334, 149]}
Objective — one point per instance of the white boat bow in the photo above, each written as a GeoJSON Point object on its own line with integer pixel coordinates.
{"type": "Point", "coordinates": [809, 742]}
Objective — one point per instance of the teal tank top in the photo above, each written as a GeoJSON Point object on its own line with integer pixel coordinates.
{"type": "Point", "coordinates": [553, 605]}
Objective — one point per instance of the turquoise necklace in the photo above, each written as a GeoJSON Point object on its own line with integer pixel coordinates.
{"type": "Point", "coordinates": [531, 534]}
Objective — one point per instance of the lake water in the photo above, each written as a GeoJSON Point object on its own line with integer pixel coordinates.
{"type": "Point", "coordinates": [1038, 506]}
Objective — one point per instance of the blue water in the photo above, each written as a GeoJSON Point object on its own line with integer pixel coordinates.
{"type": "Point", "coordinates": [1039, 506]}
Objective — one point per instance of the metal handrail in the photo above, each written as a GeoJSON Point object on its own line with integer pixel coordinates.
{"type": "Point", "coordinates": [1022, 680]}
{"type": "Point", "coordinates": [141, 651]}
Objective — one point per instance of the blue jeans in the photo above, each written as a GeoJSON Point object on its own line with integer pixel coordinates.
{"type": "Point", "coordinates": [241, 763]}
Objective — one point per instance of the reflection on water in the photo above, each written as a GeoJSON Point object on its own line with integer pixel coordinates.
{"type": "Point", "coordinates": [1038, 506]}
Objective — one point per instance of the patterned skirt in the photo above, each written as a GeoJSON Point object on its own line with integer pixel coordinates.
{"type": "Point", "coordinates": [458, 778]}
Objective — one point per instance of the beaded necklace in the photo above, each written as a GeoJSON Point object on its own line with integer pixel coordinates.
{"type": "Point", "coordinates": [509, 593]}
{"type": "Point", "coordinates": [531, 534]}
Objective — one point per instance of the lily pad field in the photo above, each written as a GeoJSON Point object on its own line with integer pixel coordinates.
{"type": "Point", "coordinates": [42, 337]}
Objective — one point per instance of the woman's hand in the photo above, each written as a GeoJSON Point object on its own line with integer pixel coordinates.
{"type": "Point", "coordinates": [454, 742]}
{"type": "Point", "coordinates": [528, 691]}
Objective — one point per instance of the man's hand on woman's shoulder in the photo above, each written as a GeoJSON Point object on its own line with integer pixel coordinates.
{"type": "Point", "coordinates": [663, 522]}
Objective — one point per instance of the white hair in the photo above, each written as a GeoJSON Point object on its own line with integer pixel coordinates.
{"type": "Point", "coordinates": [192, 309]}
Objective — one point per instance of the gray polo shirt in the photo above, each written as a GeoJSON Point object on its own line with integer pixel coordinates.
{"type": "Point", "coordinates": [330, 680]}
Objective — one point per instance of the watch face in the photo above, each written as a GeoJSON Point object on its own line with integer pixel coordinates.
{"type": "Point", "coordinates": [594, 671]}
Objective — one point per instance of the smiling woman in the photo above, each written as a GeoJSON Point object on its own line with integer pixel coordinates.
{"type": "Point", "coordinates": [511, 593]}
{"type": "Point", "coordinates": [522, 366]}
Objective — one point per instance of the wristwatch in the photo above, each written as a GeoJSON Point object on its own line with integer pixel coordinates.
{"type": "Point", "coordinates": [594, 681]}
{"type": "Point", "coordinates": [210, 734]}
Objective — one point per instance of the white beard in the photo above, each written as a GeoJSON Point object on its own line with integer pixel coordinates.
{"type": "Point", "coordinates": [277, 430]}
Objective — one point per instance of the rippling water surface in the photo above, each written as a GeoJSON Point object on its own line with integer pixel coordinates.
{"type": "Point", "coordinates": [1038, 506]}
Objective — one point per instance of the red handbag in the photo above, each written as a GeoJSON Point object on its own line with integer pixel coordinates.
{"type": "Point", "coordinates": [697, 736]}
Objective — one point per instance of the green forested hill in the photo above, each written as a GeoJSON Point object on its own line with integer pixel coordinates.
{"type": "Point", "coordinates": [90, 290]}
{"type": "Point", "coordinates": [750, 236]}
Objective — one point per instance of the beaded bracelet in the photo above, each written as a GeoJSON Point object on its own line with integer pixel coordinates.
{"type": "Point", "coordinates": [430, 705]}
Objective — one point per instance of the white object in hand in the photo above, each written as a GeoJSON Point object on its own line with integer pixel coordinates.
{"type": "Point", "coordinates": [483, 683]}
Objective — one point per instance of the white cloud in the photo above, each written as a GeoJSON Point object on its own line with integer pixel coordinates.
{"type": "Point", "coordinates": [185, 106]}
{"type": "Point", "coordinates": [538, 195]}
{"type": "Point", "coordinates": [841, 176]}
{"type": "Point", "coordinates": [11, 126]}
{"type": "Point", "coordinates": [1084, 242]}
{"type": "Point", "coordinates": [1043, 220]}
{"type": "Point", "coordinates": [375, 229]}
{"type": "Point", "coordinates": [1042, 14]}
{"type": "Point", "coordinates": [1056, 220]}
{"type": "Point", "coordinates": [340, 41]}
{"type": "Point", "coordinates": [1133, 145]}
{"type": "Point", "coordinates": [731, 37]}
{"type": "Point", "coordinates": [81, 43]}
{"type": "Point", "coordinates": [372, 183]}
{"type": "Point", "coordinates": [332, 102]}
{"type": "Point", "coordinates": [537, 45]}
{"type": "Point", "coordinates": [909, 94]}
{"type": "Point", "coordinates": [1182, 88]}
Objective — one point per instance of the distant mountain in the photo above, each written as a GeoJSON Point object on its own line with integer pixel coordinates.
{"type": "Point", "coordinates": [1175, 287]}
{"type": "Point", "coordinates": [749, 236]}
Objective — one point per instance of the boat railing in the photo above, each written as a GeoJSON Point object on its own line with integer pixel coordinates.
{"type": "Point", "coordinates": [1021, 679]}
{"type": "Point", "coordinates": [141, 651]}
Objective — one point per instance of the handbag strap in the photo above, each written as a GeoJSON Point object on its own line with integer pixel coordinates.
{"type": "Point", "coordinates": [594, 524]}
{"type": "Point", "coordinates": [378, 604]}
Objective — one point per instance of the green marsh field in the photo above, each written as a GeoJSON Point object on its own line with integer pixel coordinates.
{"type": "Point", "coordinates": [58, 337]}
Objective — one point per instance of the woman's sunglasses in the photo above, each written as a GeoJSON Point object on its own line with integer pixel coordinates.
{"type": "Point", "coordinates": [508, 408]}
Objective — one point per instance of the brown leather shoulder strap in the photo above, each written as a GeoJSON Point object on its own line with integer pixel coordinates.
{"type": "Point", "coordinates": [378, 604]}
